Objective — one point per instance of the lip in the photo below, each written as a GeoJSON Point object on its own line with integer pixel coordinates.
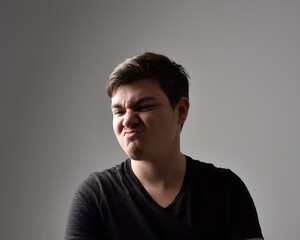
{"type": "Point", "coordinates": [130, 133]}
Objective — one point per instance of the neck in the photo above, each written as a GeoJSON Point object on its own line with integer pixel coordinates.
{"type": "Point", "coordinates": [161, 172]}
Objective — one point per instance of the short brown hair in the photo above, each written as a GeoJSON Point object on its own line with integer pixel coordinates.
{"type": "Point", "coordinates": [171, 76]}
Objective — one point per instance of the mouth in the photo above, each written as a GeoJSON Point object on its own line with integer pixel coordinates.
{"type": "Point", "coordinates": [130, 133]}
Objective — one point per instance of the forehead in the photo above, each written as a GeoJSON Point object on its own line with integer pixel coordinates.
{"type": "Point", "coordinates": [148, 88]}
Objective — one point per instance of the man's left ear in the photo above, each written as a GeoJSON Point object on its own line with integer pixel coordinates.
{"type": "Point", "coordinates": [183, 109]}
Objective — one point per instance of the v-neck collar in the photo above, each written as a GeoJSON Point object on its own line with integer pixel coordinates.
{"type": "Point", "coordinates": [147, 196]}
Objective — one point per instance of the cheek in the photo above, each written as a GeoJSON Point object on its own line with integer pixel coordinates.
{"type": "Point", "coordinates": [150, 121]}
{"type": "Point", "coordinates": [117, 123]}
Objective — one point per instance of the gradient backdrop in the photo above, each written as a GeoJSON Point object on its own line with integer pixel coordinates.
{"type": "Point", "coordinates": [243, 58]}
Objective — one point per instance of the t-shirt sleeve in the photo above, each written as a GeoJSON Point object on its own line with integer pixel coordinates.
{"type": "Point", "coordinates": [84, 220]}
{"type": "Point", "coordinates": [244, 223]}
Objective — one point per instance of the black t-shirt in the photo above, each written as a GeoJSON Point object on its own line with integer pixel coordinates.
{"type": "Point", "coordinates": [213, 203]}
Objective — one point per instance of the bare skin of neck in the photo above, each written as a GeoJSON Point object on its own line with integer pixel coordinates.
{"type": "Point", "coordinates": [162, 178]}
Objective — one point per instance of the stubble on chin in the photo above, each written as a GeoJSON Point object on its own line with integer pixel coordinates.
{"type": "Point", "coordinates": [133, 150]}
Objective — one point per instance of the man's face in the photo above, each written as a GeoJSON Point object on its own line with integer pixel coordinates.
{"type": "Point", "coordinates": [144, 122]}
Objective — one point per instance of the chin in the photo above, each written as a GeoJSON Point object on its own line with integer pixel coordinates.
{"type": "Point", "coordinates": [134, 152]}
{"type": "Point", "coordinates": [135, 155]}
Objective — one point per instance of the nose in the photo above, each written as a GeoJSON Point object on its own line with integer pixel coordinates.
{"type": "Point", "coordinates": [130, 120]}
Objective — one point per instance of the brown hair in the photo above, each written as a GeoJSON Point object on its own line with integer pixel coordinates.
{"type": "Point", "coordinates": [171, 76]}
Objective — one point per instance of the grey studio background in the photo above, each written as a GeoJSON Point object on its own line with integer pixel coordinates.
{"type": "Point", "coordinates": [243, 58]}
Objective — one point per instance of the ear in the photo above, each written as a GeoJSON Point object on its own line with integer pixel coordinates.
{"type": "Point", "coordinates": [183, 109]}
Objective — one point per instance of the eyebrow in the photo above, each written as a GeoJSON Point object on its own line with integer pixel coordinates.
{"type": "Point", "coordinates": [138, 102]}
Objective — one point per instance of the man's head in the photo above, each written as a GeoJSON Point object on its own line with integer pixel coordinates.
{"type": "Point", "coordinates": [172, 77]}
{"type": "Point", "coordinates": [149, 101]}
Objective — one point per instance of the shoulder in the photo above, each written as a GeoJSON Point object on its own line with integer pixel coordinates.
{"type": "Point", "coordinates": [208, 169]}
{"type": "Point", "coordinates": [103, 181]}
{"type": "Point", "coordinates": [93, 197]}
{"type": "Point", "coordinates": [209, 175]}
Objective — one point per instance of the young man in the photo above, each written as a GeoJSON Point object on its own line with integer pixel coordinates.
{"type": "Point", "coordinates": [158, 193]}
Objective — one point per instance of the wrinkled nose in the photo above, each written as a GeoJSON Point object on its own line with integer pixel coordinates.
{"type": "Point", "coordinates": [130, 120]}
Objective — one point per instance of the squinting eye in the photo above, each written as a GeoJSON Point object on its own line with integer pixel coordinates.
{"type": "Point", "coordinates": [118, 112]}
{"type": "Point", "coordinates": [144, 108]}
